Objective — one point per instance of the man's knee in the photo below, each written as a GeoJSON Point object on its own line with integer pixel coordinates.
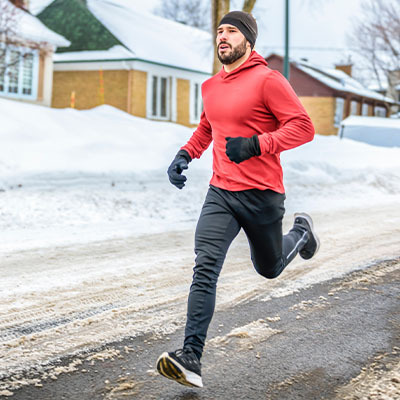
{"type": "Point", "coordinates": [269, 270]}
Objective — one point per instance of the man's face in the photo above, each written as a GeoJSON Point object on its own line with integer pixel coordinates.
{"type": "Point", "coordinates": [231, 44]}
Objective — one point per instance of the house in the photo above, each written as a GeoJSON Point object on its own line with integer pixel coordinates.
{"type": "Point", "coordinates": [26, 54]}
{"type": "Point", "coordinates": [330, 95]}
{"type": "Point", "coordinates": [138, 62]}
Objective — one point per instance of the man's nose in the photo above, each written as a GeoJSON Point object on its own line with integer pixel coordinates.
{"type": "Point", "coordinates": [222, 37]}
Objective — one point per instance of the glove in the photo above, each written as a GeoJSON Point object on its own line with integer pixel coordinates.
{"type": "Point", "coordinates": [240, 148]}
{"type": "Point", "coordinates": [181, 161]}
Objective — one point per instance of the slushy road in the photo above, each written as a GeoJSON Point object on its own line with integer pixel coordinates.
{"type": "Point", "coordinates": [306, 345]}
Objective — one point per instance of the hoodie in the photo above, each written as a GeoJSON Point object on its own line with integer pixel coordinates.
{"type": "Point", "coordinates": [252, 99]}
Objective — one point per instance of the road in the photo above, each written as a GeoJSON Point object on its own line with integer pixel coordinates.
{"type": "Point", "coordinates": [121, 302]}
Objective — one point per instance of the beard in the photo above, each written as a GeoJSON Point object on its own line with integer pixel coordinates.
{"type": "Point", "coordinates": [235, 53]}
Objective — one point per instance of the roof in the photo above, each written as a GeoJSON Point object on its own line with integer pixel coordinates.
{"type": "Point", "coordinates": [336, 79]}
{"type": "Point", "coordinates": [72, 19]}
{"type": "Point", "coordinates": [146, 36]}
{"type": "Point", "coordinates": [339, 80]}
{"type": "Point", "coordinates": [30, 28]}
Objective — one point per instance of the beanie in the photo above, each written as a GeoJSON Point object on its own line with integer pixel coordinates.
{"type": "Point", "coordinates": [245, 22]}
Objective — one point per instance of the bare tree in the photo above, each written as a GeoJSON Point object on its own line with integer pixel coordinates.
{"type": "Point", "coordinates": [195, 13]}
{"type": "Point", "coordinates": [376, 39]}
{"type": "Point", "coordinates": [11, 38]}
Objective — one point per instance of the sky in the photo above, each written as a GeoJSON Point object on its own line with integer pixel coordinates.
{"type": "Point", "coordinates": [318, 28]}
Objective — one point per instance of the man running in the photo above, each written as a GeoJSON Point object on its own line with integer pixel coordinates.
{"type": "Point", "coordinates": [252, 114]}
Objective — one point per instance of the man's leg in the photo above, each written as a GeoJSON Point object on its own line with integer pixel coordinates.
{"type": "Point", "coordinates": [216, 229]}
{"type": "Point", "coordinates": [262, 218]}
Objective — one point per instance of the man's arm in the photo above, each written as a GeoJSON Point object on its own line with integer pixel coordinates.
{"type": "Point", "coordinates": [194, 148]}
{"type": "Point", "coordinates": [201, 138]}
{"type": "Point", "coordinates": [295, 127]}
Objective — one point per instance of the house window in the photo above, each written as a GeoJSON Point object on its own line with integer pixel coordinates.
{"type": "Point", "coordinates": [2, 72]}
{"type": "Point", "coordinates": [353, 107]}
{"type": "Point", "coordinates": [27, 74]}
{"type": "Point", "coordinates": [338, 112]}
{"type": "Point", "coordinates": [196, 102]}
{"type": "Point", "coordinates": [364, 109]}
{"type": "Point", "coordinates": [380, 111]}
{"type": "Point", "coordinates": [18, 70]}
{"type": "Point", "coordinates": [160, 97]}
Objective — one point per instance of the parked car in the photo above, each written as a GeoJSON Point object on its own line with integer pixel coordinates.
{"type": "Point", "coordinates": [373, 130]}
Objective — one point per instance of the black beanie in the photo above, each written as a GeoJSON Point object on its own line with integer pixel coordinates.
{"type": "Point", "coordinates": [245, 22]}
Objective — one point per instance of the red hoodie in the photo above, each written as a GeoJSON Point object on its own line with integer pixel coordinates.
{"type": "Point", "coordinates": [252, 99]}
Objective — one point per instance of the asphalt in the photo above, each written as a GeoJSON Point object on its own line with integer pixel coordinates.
{"type": "Point", "coordinates": [324, 336]}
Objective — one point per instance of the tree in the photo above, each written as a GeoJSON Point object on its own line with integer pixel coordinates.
{"type": "Point", "coordinates": [189, 12]}
{"type": "Point", "coordinates": [12, 44]}
{"type": "Point", "coordinates": [376, 39]}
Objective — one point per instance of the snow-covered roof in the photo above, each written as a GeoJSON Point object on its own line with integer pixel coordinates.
{"type": "Point", "coordinates": [31, 28]}
{"type": "Point", "coordinates": [114, 53]}
{"type": "Point", "coordinates": [149, 38]}
{"type": "Point", "coordinates": [339, 80]}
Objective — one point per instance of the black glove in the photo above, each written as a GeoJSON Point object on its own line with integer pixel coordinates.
{"type": "Point", "coordinates": [240, 148]}
{"type": "Point", "coordinates": [181, 161]}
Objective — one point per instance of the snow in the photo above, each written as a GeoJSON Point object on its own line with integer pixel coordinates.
{"type": "Point", "coordinates": [101, 173]}
{"type": "Point", "coordinates": [150, 38]}
{"type": "Point", "coordinates": [97, 245]}
{"type": "Point", "coordinates": [376, 122]}
{"type": "Point", "coordinates": [372, 130]}
{"type": "Point", "coordinates": [114, 53]}
{"type": "Point", "coordinates": [29, 27]}
{"type": "Point", "coordinates": [339, 80]}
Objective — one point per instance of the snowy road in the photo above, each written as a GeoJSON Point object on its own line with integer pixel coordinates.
{"type": "Point", "coordinates": [108, 290]}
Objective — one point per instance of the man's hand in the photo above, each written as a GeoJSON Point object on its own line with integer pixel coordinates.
{"type": "Point", "coordinates": [181, 161]}
{"type": "Point", "coordinates": [239, 149]}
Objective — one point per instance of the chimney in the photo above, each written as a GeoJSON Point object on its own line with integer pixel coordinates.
{"type": "Point", "coordinates": [345, 68]}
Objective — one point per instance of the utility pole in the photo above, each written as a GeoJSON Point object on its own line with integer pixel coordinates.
{"type": "Point", "coordinates": [286, 67]}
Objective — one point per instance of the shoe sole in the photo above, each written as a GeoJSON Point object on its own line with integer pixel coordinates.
{"type": "Point", "coordinates": [171, 369]}
{"type": "Point", "coordinates": [310, 223]}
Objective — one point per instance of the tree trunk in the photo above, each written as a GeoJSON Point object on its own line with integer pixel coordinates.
{"type": "Point", "coordinates": [218, 9]}
{"type": "Point", "coordinates": [249, 5]}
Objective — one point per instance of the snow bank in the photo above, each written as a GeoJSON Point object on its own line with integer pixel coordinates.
{"type": "Point", "coordinates": [68, 175]}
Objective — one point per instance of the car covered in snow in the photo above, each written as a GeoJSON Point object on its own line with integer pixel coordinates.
{"type": "Point", "coordinates": [373, 130]}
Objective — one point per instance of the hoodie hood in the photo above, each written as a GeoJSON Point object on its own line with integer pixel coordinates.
{"type": "Point", "coordinates": [253, 60]}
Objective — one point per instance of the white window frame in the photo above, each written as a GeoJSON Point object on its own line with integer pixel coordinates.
{"type": "Point", "coordinates": [365, 109]}
{"type": "Point", "coordinates": [35, 73]}
{"type": "Point", "coordinates": [196, 107]}
{"type": "Point", "coordinates": [158, 115]}
{"type": "Point", "coordinates": [339, 111]}
{"type": "Point", "coordinates": [380, 111]}
{"type": "Point", "coordinates": [353, 107]}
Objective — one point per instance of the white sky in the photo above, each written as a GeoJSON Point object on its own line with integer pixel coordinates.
{"type": "Point", "coordinates": [318, 27]}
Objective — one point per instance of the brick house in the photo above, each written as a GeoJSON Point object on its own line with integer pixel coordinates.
{"type": "Point", "coordinates": [140, 63]}
{"type": "Point", "coordinates": [330, 95]}
{"type": "Point", "coordinates": [26, 55]}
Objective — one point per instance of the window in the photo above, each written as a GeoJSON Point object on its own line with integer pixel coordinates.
{"type": "Point", "coordinates": [338, 112]}
{"type": "Point", "coordinates": [196, 102]}
{"type": "Point", "coordinates": [160, 97]}
{"type": "Point", "coordinates": [353, 107]}
{"type": "Point", "coordinates": [18, 70]}
{"type": "Point", "coordinates": [2, 72]}
{"type": "Point", "coordinates": [364, 109]}
{"type": "Point", "coordinates": [380, 111]}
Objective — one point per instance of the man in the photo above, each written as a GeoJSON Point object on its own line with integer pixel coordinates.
{"type": "Point", "coordinates": [252, 114]}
